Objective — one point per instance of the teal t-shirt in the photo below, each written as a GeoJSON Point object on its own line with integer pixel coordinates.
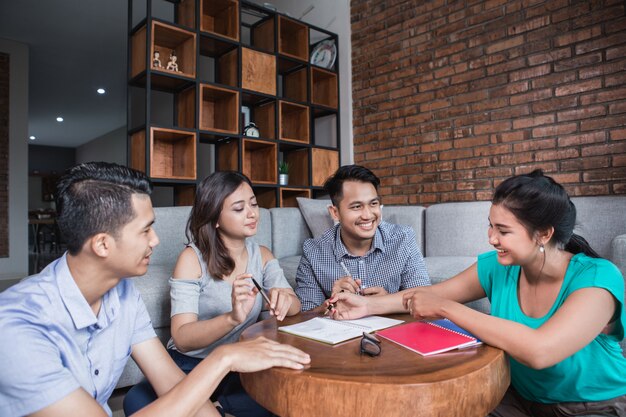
{"type": "Point", "coordinates": [595, 373]}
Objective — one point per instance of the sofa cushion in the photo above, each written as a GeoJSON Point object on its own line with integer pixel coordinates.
{"type": "Point", "coordinates": [408, 216]}
{"type": "Point", "coordinates": [289, 230]}
{"type": "Point", "coordinates": [316, 215]}
{"type": "Point", "coordinates": [440, 268]}
{"type": "Point", "coordinates": [457, 229]}
{"type": "Point", "coordinates": [155, 292]}
{"type": "Point", "coordinates": [599, 220]}
{"type": "Point", "coordinates": [170, 224]}
{"type": "Point", "coordinates": [290, 267]}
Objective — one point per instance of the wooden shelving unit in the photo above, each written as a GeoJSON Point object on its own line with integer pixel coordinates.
{"type": "Point", "coordinates": [231, 54]}
{"type": "Point", "coordinates": [288, 196]}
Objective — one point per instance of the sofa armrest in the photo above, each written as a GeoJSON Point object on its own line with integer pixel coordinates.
{"type": "Point", "coordinates": [618, 253]}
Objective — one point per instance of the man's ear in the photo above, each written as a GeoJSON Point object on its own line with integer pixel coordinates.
{"type": "Point", "coordinates": [100, 244]}
{"type": "Point", "coordinates": [334, 212]}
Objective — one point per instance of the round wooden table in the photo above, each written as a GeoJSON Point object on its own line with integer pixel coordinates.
{"type": "Point", "coordinates": [342, 382]}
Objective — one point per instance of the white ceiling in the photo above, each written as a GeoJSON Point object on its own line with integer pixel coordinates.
{"type": "Point", "coordinates": [77, 46]}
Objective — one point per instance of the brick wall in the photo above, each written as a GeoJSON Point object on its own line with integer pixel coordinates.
{"type": "Point", "coordinates": [4, 155]}
{"type": "Point", "coordinates": [451, 97]}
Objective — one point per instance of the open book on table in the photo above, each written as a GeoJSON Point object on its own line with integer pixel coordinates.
{"type": "Point", "coordinates": [430, 337]}
{"type": "Point", "coordinates": [327, 330]}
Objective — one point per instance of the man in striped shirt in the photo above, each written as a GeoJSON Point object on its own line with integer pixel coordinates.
{"type": "Point", "coordinates": [362, 253]}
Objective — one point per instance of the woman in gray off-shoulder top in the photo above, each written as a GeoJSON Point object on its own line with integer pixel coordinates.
{"type": "Point", "coordinates": [213, 297]}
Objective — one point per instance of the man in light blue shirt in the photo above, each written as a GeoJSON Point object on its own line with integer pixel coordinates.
{"type": "Point", "coordinates": [68, 331]}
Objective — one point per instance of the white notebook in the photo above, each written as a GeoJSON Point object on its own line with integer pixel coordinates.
{"type": "Point", "coordinates": [327, 330]}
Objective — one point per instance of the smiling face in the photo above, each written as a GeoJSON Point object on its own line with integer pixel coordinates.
{"type": "Point", "coordinates": [358, 211]}
{"type": "Point", "coordinates": [134, 242]}
{"type": "Point", "coordinates": [512, 240]}
{"type": "Point", "coordinates": [240, 214]}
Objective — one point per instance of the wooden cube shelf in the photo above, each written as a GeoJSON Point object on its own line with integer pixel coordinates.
{"type": "Point", "coordinates": [265, 197]}
{"type": "Point", "coordinates": [324, 87]}
{"type": "Point", "coordinates": [265, 119]}
{"type": "Point", "coordinates": [293, 38]}
{"type": "Point", "coordinates": [259, 161]}
{"type": "Point", "coordinates": [293, 122]}
{"type": "Point", "coordinates": [167, 40]}
{"type": "Point", "coordinates": [263, 35]}
{"type": "Point", "coordinates": [298, 160]}
{"type": "Point", "coordinates": [172, 153]}
{"type": "Point", "coordinates": [219, 109]}
{"type": "Point", "coordinates": [258, 71]}
{"type": "Point", "coordinates": [184, 195]}
{"type": "Point", "coordinates": [227, 69]}
{"type": "Point", "coordinates": [186, 108]}
{"type": "Point", "coordinates": [294, 85]}
{"type": "Point", "coordinates": [324, 164]}
{"type": "Point", "coordinates": [220, 17]}
{"type": "Point", "coordinates": [186, 13]}
{"type": "Point", "coordinates": [227, 156]}
{"type": "Point", "coordinates": [288, 196]}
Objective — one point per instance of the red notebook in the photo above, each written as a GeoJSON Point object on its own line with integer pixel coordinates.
{"type": "Point", "coordinates": [427, 338]}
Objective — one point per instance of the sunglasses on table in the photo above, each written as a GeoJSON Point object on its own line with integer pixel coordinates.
{"type": "Point", "coordinates": [370, 345]}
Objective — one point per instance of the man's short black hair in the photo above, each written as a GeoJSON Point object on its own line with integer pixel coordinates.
{"type": "Point", "coordinates": [334, 183]}
{"type": "Point", "coordinates": [95, 197]}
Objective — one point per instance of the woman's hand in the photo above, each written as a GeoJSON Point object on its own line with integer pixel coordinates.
{"type": "Point", "coordinates": [281, 299]}
{"type": "Point", "coordinates": [423, 304]}
{"type": "Point", "coordinates": [242, 298]}
{"type": "Point", "coordinates": [374, 291]}
{"type": "Point", "coordinates": [348, 306]}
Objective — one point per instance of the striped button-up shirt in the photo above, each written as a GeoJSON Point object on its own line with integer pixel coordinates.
{"type": "Point", "coordinates": [394, 262]}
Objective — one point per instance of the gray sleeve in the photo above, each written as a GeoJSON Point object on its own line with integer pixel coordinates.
{"type": "Point", "coordinates": [273, 276]}
{"type": "Point", "coordinates": [185, 295]}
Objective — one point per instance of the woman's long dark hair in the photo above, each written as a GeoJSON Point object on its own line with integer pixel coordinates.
{"type": "Point", "coordinates": [539, 203]}
{"type": "Point", "coordinates": [205, 213]}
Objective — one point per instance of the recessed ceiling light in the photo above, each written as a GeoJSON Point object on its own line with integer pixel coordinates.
{"type": "Point", "coordinates": [59, 119]}
{"type": "Point", "coordinates": [101, 90]}
{"type": "Point", "coordinates": [32, 138]}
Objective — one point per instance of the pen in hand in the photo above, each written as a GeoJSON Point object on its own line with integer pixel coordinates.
{"type": "Point", "coordinates": [347, 271]}
{"type": "Point", "coordinates": [263, 294]}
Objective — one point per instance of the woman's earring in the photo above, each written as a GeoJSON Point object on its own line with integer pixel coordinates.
{"type": "Point", "coordinates": [541, 248]}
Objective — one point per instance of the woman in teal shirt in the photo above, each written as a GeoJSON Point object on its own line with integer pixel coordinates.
{"type": "Point", "coordinates": [557, 308]}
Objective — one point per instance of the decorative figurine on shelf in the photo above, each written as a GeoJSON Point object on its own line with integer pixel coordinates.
{"type": "Point", "coordinates": [156, 60]}
{"type": "Point", "coordinates": [172, 65]}
{"type": "Point", "coordinates": [251, 130]}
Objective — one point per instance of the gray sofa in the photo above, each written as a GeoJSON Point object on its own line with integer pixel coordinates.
{"type": "Point", "coordinates": [450, 236]}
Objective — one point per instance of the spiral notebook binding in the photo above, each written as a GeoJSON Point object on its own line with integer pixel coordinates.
{"type": "Point", "coordinates": [452, 331]}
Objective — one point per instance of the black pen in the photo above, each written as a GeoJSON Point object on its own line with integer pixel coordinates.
{"type": "Point", "coordinates": [262, 291]}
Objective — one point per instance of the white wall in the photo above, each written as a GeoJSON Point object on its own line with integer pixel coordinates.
{"type": "Point", "coordinates": [16, 265]}
{"type": "Point", "coordinates": [110, 147]}
{"type": "Point", "coordinates": [334, 16]}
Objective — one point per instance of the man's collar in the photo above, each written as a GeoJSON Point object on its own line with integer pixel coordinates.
{"type": "Point", "coordinates": [77, 306]}
{"type": "Point", "coordinates": [341, 251]}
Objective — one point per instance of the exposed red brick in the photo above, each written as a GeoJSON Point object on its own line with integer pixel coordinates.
{"type": "Point", "coordinates": [466, 94]}
{"type": "Point", "coordinates": [577, 88]}
{"type": "Point", "coordinates": [543, 119]}
{"type": "Point", "coordinates": [581, 139]}
{"type": "Point", "coordinates": [581, 113]}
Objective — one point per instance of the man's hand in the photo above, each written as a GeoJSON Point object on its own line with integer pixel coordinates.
{"type": "Point", "coordinates": [374, 291]}
{"type": "Point", "coordinates": [260, 354]}
{"type": "Point", "coordinates": [280, 301]}
{"type": "Point", "coordinates": [242, 298]}
{"type": "Point", "coordinates": [346, 284]}
{"type": "Point", "coordinates": [349, 306]}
